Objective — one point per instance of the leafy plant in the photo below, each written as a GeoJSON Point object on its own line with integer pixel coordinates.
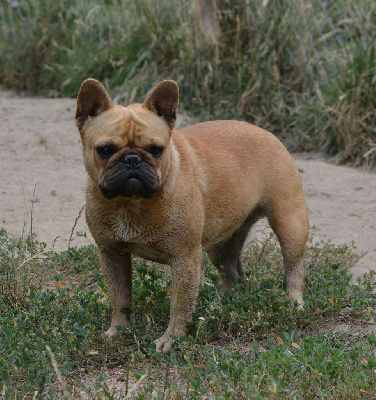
{"type": "Point", "coordinates": [250, 343]}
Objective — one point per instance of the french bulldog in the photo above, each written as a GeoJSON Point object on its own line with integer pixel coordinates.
{"type": "Point", "coordinates": [166, 195]}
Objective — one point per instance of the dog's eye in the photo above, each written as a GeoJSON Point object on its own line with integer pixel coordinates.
{"type": "Point", "coordinates": [106, 152]}
{"type": "Point", "coordinates": [156, 151]}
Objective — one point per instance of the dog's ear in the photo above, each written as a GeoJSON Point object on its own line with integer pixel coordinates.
{"type": "Point", "coordinates": [92, 100]}
{"type": "Point", "coordinates": [163, 100]}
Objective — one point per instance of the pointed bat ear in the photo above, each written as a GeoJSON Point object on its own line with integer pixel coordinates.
{"type": "Point", "coordinates": [92, 100]}
{"type": "Point", "coordinates": [163, 100]}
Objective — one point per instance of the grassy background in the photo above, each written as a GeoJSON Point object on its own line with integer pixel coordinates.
{"type": "Point", "coordinates": [304, 70]}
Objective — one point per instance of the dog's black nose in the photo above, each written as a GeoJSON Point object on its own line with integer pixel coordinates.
{"type": "Point", "coordinates": [132, 160]}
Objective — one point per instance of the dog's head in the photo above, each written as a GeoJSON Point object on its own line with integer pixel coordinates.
{"type": "Point", "coordinates": [127, 149]}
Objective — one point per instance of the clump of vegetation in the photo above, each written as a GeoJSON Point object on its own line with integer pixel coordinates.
{"type": "Point", "coordinates": [248, 344]}
{"type": "Point", "coordinates": [303, 70]}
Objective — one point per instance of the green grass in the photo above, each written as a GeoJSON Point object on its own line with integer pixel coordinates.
{"type": "Point", "coordinates": [304, 70]}
{"type": "Point", "coordinates": [250, 344]}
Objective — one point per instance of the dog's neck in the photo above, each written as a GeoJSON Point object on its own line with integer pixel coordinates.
{"type": "Point", "coordinates": [167, 185]}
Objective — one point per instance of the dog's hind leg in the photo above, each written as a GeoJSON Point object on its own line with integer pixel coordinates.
{"type": "Point", "coordinates": [290, 223]}
{"type": "Point", "coordinates": [226, 256]}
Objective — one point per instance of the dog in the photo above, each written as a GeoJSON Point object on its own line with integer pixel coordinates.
{"type": "Point", "coordinates": [166, 195]}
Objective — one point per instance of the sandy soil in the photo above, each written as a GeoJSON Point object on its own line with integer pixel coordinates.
{"type": "Point", "coordinates": [42, 180]}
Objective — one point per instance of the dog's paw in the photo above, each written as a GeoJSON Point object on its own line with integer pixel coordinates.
{"type": "Point", "coordinates": [113, 332]}
{"type": "Point", "coordinates": [164, 344]}
{"type": "Point", "coordinates": [298, 297]}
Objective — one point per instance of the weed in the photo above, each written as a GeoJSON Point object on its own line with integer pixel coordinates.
{"type": "Point", "coordinates": [43, 140]}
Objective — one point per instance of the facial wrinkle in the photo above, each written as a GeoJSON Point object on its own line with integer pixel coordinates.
{"type": "Point", "coordinates": [128, 128]}
{"type": "Point", "coordinates": [131, 133]}
{"type": "Point", "coordinates": [137, 119]}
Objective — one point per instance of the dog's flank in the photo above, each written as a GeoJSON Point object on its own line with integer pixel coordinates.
{"type": "Point", "coordinates": [166, 194]}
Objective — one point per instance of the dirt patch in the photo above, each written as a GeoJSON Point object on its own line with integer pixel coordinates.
{"type": "Point", "coordinates": [43, 178]}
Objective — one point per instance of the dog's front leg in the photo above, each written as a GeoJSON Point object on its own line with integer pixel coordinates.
{"type": "Point", "coordinates": [186, 274]}
{"type": "Point", "coordinates": [117, 272]}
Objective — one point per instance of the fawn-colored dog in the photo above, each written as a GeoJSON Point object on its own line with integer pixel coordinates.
{"type": "Point", "coordinates": [167, 195]}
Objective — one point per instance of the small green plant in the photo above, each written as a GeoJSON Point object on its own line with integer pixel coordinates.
{"type": "Point", "coordinates": [42, 140]}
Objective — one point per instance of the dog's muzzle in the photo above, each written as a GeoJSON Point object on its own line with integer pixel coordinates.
{"type": "Point", "coordinates": [131, 175]}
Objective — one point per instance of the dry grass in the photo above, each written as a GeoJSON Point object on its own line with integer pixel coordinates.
{"type": "Point", "coordinates": [304, 70]}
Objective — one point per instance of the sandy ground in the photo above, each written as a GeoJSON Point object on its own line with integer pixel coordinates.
{"type": "Point", "coordinates": [42, 180]}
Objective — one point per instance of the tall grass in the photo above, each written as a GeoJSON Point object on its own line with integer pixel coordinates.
{"type": "Point", "coordinates": [304, 70]}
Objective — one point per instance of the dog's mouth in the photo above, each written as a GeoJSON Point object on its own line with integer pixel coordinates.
{"type": "Point", "coordinates": [130, 176]}
{"type": "Point", "coordinates": [129, 188]}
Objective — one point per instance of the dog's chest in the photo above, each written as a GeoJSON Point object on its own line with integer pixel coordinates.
{"type": "Point", "coordinates": [139, 235]}
{"type": "Point", "coordinates": [136, 227]}
{"type": "Point", "coordinates": [148, 252]}
{"type": "Point", "coordinates": [142, 244]}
